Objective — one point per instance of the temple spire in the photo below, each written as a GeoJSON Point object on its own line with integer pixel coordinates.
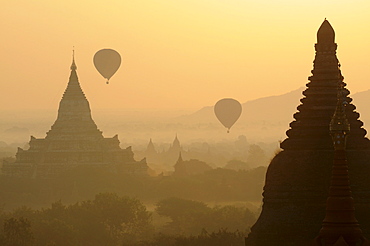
{"type": "Point", "coordinates": [176, 142]}
{"type": "Point", "coordinates": [74, 114]}
{"type": "Point", "coordinates": [326, 33]}
{"type": "Point", "coordinates": [74, 88]}
{"type": "Point", "coordinates": [73, 66]}
{"type": "Point", "coordinates": [325, 39]}
{"type": "Point", "coordinates": [150, 150]}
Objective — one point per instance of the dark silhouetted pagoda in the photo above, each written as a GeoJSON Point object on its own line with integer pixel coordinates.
{"type": "Point", "coordinates": [73, 140]}
{"type": "Point", "coordinates": [298, 178]}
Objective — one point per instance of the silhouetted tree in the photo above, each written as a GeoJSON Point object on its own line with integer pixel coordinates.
{"type": "Point", "coordinates": [185, 215]}
{"type": "Point", "coordinates": [192, 217]}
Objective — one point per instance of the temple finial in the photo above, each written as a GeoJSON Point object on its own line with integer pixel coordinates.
{"type": "Point", "coordinates": [325, 34]}
{"type": "Point", "coordinates": [73, 66]}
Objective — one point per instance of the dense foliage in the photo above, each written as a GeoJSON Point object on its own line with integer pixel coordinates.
{"type": "Point", "coordinates": [111, 220]}
{"type": "Point", "coordinates": [106, 220]}
{"type": "Point", "coordinates": [83, 183]}
{"type": "Point", "coordinates": [193, 217]}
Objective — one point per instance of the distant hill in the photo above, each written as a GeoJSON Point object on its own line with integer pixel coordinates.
{"type": "Point", "coordinates": [262, 120]}
{"type": "Point", "coordinates": [273, 109]}
{"type": "Point", "coordinates": [267, 109]}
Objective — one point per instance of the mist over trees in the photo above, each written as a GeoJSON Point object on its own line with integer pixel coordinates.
{"type": "Point", "coordinates": [213, 202]}
{"type": "Point", "coordinates": [97, 207]}
{"type": "Point", "coordinates": [199, 190]}
{"type": "Point", "coordinates": [112, 220]}
{"type": "Point", "coordinates": [216, 185]}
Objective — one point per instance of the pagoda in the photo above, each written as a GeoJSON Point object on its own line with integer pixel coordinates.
{"type": "Point", "coordinates": [73, 140]}
{"type": "Point", "coordinates": [298, 177]}
{"type": "Point", "coordinates": [175, 148]}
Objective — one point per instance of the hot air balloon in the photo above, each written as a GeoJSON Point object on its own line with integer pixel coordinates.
{"type": "Point", "coordinates": [228, 111]}
{"type": "Point", "coordinates": [107, 62]}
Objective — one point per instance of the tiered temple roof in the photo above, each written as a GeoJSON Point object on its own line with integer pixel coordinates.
{"type": "Point", "coordinates": [73, 140]}
{"type": "Point", "coordinates": [298, 178]}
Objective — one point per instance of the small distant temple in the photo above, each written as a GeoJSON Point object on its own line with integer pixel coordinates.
{"type": "Point", "coordinates": [167, 157]}
{"type": "Point", "coordinates": [73, 140]}
{"type": "Point", "coordinates": [175, 147]}
{"type": "Point", "coordinates": [297, 185]}
{"type": "Point", "coordinates": [190, 167]}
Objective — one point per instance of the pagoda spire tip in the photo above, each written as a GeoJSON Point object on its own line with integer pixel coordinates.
{"type": "Point", "coordinates": [73, 66]}
{"type": "Point", "coordinates": [326, 34]}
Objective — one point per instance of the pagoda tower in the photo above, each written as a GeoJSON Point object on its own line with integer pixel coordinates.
{"type": "Point", "coordinates": [73, 140]}
{"type": "Point", "coordinates": [298, 178]}
{"type": "Point", "coordinates": [150, 150]}
{"type": "Point", "coordinates": [176, 146]}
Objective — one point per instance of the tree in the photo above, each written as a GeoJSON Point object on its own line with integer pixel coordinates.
{"type": "Point", "coordinates": [177, 208]}
{"type": "Point", "coordinates": [17, 232]}
{"type": "Point", "coordinates": [185, 215]}
{"type": "Point", "coordinates": [110, 218]}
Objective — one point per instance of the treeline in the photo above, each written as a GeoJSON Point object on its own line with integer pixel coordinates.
{"type": "Point", "coordinates": [112, 220]}
{"type": "Point", "coordinates": [82, 183]}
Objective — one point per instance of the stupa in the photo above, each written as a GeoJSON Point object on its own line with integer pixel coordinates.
{"type": "Point", "coordinates": [298, 178]}
{"type": "Point", "coordinates": [73, 140]}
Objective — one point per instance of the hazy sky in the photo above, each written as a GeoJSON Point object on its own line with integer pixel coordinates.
{"type": "Point", "coordinates": [176, 54]}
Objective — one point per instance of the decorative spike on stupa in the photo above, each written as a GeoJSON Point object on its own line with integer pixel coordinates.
{"type": "Point", "coordinates": [339, 124]}
{"type": "Point", "coordinates": [340, 226]}
{"type": "Point", "coordinates": [73, 66]}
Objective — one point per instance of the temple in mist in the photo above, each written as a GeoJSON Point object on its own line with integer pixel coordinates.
{"type": "Point", "coordinates": [73, 140]}
{"type": "Point", "coordinates": [168, 157]}
{"type": "Point", "coordinates": [190, 167]}
{"type": "Point", "coordinates": [298, 178]}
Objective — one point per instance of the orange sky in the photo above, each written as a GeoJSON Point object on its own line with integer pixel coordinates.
{"type": "Point", "coordinates": [176, 54]}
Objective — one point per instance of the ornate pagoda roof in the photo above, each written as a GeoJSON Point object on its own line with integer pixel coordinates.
{"type": "Point", "coordinates": [310, 129]}
{"type": "Point", "coordinates": [74, 113]}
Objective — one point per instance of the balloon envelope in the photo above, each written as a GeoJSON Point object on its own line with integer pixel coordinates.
{"type": "Point", "coordinates": [228, 111]}
{"type": "Point", "coordinates": [107, 62]}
